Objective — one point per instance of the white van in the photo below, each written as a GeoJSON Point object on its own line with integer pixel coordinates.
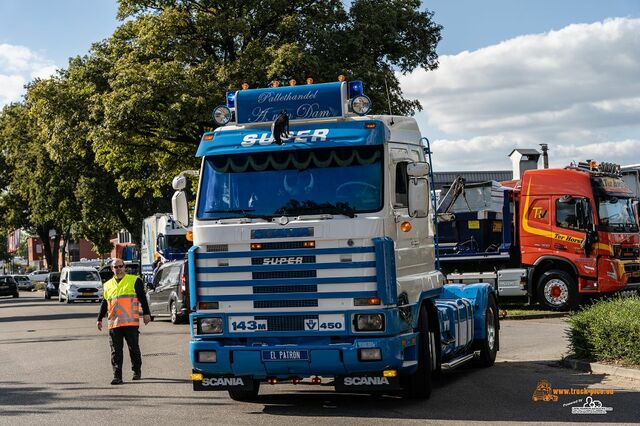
{"type": "Point", "coordinates": [79, 283]}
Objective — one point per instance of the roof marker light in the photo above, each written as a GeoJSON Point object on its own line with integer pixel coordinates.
{"type": "Point", "coordinates": [309, 80]}
{"type": "Point", "coordinates": [355, 89]}
{"type": "Point", "coordinates": [245, 86]}
{"type": "Point", "coordinates": [341, 78]}
{"type": "Point", "coordinates": [208, 137]}
{"type": "Point", "coordinates": [292, 82]}
{"type": "Point", "coordinates": [231, 99]}
{"type": "Point", "coordinates": [275, 83]}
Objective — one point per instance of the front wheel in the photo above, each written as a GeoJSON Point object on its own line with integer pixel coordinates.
{"type": "Point", "coordinates": [489, 345]}
{"type": "Point", "coordinates": [16, 295]}
{"type": "Point", "coordinates": [419, 385]}
{"type": "Point", "coordinates": [246, 395]}
{"type": "Point", "coordinates": [47, 296]}
{"type": "Point", "coordinates": [558, 291]}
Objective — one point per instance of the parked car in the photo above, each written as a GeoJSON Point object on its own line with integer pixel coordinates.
{"type": "Point", "coordinates": [168, 294]}
{"type": "Point", "coordinates": [38, 276]}
{"type": "Point", "coordinates": [51, 285]}
{"type": "Point", "coordinates": [130, 267]}
{"type": "Point", "coordinates": [24, 283]}
{"type": "Point", "coordinates": [79, 283]}
{"type": "Point", "coordinates": [8, 286]}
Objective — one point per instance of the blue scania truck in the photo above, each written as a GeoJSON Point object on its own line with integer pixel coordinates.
{"type": "Point", "coordinates": [313, 252]}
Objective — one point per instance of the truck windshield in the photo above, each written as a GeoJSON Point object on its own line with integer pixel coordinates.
{"type": "Point", "coordinates": [298, 182]}
{"type": "Point", "coordinates": [616, 214]}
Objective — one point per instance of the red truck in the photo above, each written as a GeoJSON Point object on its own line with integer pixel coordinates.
{"type": "Point", "coordinates": [561, 236]}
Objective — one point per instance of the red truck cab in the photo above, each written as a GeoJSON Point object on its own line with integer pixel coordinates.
{"type": "Point", "coordinates": [578, 233]}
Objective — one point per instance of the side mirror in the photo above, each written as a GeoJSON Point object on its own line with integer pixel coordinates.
{"type": "Point", "coordinates": [418, 169]}
{"type": "Point", "coordinates": [179, 208]}
{"type": "Point", "coordinates": [418, 197]}
{"type": "Point", "coordinates": [179, 183]}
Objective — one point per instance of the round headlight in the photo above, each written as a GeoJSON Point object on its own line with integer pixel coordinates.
{"type": "Point", "coordinates": [361, 104]}
{"type": "Point", "coordinates": [221, 115]}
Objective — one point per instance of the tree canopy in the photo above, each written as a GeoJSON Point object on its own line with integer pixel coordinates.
{"type": "Point", "coordinates": [94, 148]}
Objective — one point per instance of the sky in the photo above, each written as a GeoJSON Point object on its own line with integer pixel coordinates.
{"type": "Point", "coordinates": [512, 73]}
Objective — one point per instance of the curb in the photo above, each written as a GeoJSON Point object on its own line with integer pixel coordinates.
{"type": "Point", "coordinates": [598, 368]}
{"type": "Point", "coordinates": [536, 316]}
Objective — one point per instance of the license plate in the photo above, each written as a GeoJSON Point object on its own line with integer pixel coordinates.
{"type": "Point", "coordinates": [285, 355]}
{"type": "Point", "coordinates": [87, 294]}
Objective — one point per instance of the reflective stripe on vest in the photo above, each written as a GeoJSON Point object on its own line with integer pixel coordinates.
{"type": "Point", "coordinates": [122, 302]}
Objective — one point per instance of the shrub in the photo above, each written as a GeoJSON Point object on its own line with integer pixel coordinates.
{"type": "Point", "coordinates": [608, 331]}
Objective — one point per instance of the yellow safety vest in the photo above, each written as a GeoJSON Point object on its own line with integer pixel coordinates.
{"type": "Point", "coordinates": [122, 302]}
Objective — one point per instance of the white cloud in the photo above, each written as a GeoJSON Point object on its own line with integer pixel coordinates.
{"type": "Point", "coordinates": [18, 66]}
{"type": "Point", "coordinates": [577, 89]}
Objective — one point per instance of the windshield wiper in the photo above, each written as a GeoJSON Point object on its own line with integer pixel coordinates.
{"type": "Point", "coordinates": [325, 208]}
{"type": "Point", "coordinates": [244, 212]}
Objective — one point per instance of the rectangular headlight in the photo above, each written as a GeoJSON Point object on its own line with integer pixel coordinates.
{"type": "Point", "coordinates": [368, 322]}
{"type": "Point", "coordinates": [210, 325]}
{"type": "Point", "coordinates": [207, 356]}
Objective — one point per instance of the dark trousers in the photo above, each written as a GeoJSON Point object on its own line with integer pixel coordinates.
{"type": "Point", "coordinates": [116, 340]}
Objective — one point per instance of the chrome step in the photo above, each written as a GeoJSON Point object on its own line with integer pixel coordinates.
{"type": "Point", "coordinates": [459, 361]}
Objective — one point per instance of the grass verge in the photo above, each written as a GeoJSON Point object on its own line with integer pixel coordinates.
{"type": "Point", "coordinates": [608, 331]}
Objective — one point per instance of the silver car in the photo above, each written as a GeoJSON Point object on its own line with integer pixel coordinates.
{"type": "Point", "coordinates": [38, 276]}
{"type": "Point", "coordinates": [24, 283]}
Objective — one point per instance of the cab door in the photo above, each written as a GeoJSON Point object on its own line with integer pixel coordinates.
{"type": "Point", "coordinates": [412, 236]}
{"type": "Point", "coordinates": [572, 221]}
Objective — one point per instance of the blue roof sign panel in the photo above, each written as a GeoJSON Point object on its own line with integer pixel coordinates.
{"type": "Point", "coordinates": [305, 102]}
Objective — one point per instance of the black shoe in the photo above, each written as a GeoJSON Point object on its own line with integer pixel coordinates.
{"type": "Point", "coordinates": [116, 381]}
{"type": "Point", "coordinates": [136, 376]}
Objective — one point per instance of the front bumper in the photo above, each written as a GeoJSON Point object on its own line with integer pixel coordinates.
{"type": "Point", "coordinates": [79, 295]}
{"type": "Point", "coordinates": [330, 359]}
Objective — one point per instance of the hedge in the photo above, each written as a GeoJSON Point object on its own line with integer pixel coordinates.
{"type": "Point", "coordinates": [609, 331]}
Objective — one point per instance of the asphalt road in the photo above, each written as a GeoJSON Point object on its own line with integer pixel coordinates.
{"type": "Point", "coordinates": [54, 369]}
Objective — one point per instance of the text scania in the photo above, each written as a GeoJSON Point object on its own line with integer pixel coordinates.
{"type": "Point", "coordinates": [223, 381]}
{"type": "Point", "coordinates": [365, 381]}
{"type": "Point", "coordinates": [300, 136]}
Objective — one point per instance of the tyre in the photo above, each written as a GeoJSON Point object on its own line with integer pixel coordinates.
{"type": "Point", "coordinates": [68, 299]}
{"type": "Point", "coordinates": [47, 296]}
{"type": "Point", "coordinates": [175, 318]}
{"type": "Point", "coordinates": [246, 395]}
{"type": "Point", "coordinates": [59, 297]}
{"type": "Point", "coordinates": [419, 385]}
{"type": "Point", "coordinates": [557, 290]}
{"type": "Point", "coordinates": [16, 295]}
{"type": "Point", "coordinates": [489, 345]}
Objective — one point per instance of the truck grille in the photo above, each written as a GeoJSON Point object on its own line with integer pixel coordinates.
{"type": "Point", "coordinates": [285, 289]}
{"type": "Point", "coordinates": [283, 274]}
{"type": "Point", "coordinates": [262, 304]}
{"type": "Point", "coordinates": [286, 323]}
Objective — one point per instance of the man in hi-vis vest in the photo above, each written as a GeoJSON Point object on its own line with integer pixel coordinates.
{"type": "Point", "coordinates": [122, 296]}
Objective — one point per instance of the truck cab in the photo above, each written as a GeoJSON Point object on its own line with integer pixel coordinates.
{"type": "Point", "coordinates": [578, 233]}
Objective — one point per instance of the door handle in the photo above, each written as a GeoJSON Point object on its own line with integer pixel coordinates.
{"type": "Point", "coordinates": [415, 243]}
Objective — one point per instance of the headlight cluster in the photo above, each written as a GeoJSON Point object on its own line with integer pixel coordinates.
{"type": "Point", "coordinates": [368, 322]}
{"type": "Point", "coordinates": [209, 325]}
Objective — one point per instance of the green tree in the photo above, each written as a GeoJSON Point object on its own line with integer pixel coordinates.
{"type": "Point", "coordinates": [171, 62]}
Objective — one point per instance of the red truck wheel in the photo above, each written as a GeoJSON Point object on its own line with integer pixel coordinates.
{"type": "Point", "coordinates": [557, 290]}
